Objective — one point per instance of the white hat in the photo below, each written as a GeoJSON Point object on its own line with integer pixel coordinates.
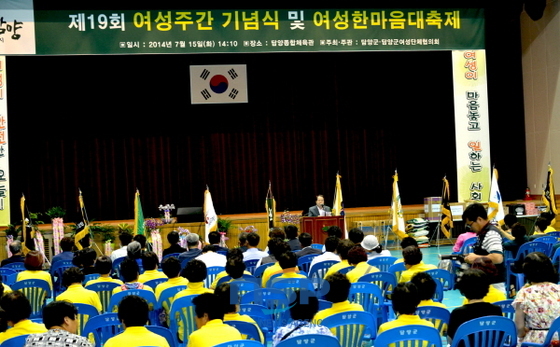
{"type": "Point", "coordinates": [370, 242]}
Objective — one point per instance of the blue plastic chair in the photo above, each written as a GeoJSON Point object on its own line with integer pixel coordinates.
{"type": "Point", "coordinates": [410, 336]}
{"type": "Point", "coordinates": [85, 313]}
{"type": "Point", "coordinates": [439, 316]}
{"type": "Point", "coordinates": [90, 277]}
{"type": "Point", "coordinates": [318, 271]}
{"type": "Point", "coordinates": [397, 269]}
{"type": "Point", "coordinates": [554, 329]}
{"type": "Point", "coordinates": [382, 263]}
{"type": "Point", "coordinates": [212, 272]}
{"type": "Point", "coordinates": [240, 343]}
{"type": "Point", "coordinates": [370, 297]}
{"type": "Point", "coordinates": [149, 296]}
{"type": "Point", "coordinates": [556, 259]}
{"type": "Point", "coordinates": [445, 277]}
{"type": "Point", "coordinates": [489, 331]}
{"type": "Point", "coordinates": [346, 270]}
{"type": "Point", "coordinates": [324, 304]}
{"type": "Point", "coordinates": [251, 265]}
{"type": "Point", "coordinates": [165, 301]}
{"type": "Point", "coordinates": [163, 332]}
{"type": "Point", "coordinates": [317, 246]}
{"type": "Point", "coordinates": [18, 266]}
{"type": "Point", "coordinates": [245, 277]}
{"type": "Point", "coordinates": [56, 273]}
{"type": "Point", "coordinates": [350, 327]}
{"type": "Point", "coordinates": [305, 262]}
{"type": "Point", "coordinates": [176, 255]}
{"type": "Point", "coordinates": [249, 329]}
{"type": "Point", "coordinates": [117, 266]}
{"type": "Point", "coordinates": [507, 308]}
{"type": "Point", "coordinates": [274, 300]}
{"type": "Point", "coordinates": [154, 283]}
{"type": "Point", "coordinates": [310, 340]}
{"type": "Point", "coordinates": [548, 239]}
{"type": "Point", "coordinates": [260, 270]}
{"type": "Point", "coordinates": [438, 295]}
{"type": "Point", "coordinates": [16, 341]}
{"type": "Point", "coordinates": [36, 291]}
{"type": "Point", "coordinates": [467, 247]}
{"type": "Point", "coordinates": [289, 285]}
{"type": "Point", "coordinates": [386, 281]}
{"type": "Point", "coordinates": [182, 319]}
{"type": "Point", "coordinates": [103, 327]}
{"type": "Point", "coordinates": [261, 315]}
{"type": "Point", "coordinates": [104, 290]}
{"type": "Point", "coordinates": [8, 276]}
{"type": "Point", "coordinates": [241, 287]}
{"type": "Point", "coordinates": [517, 280]}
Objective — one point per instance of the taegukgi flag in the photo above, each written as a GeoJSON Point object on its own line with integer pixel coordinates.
{"type": "Point", "coordinates": [218, 84]}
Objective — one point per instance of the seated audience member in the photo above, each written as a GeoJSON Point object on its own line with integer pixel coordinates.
{"type": "Point", "coordinates": [519, 234]}
{"type": "Point", "coordinates": [17, 255]}
{"type": "Point", "coordinates": [85, 260]}
{"type": "Point", "coordinates": [231, 309]}
{"type": "Point", "coordinates": [75, 293]}
{"type": "Point", "coordinates": [60, 317]}
{"type": "Point", "coordinates": [235, 267]}
{"type": "Point", "coordinates": [134, 250]}
{"type": "Point", "coordinates": [17, 310]}
{"type": "Point", "coordinates": [141, 239]}
{"type": "Point", "coordinates": [214, 239]}
{"type": "Point", "coordinates": [306, 240]}
{"type": "Point", "coordinates": [172, 269]}
{"type": "Point", "coordinates": [426, 289]}
{"type": "Point", "coordinates": [252, 251]}
{"type": "Point", "coordinates": [468, 234]}
{"type": "Point", "coordinates": [209, 316]}
{"type": "Point", "coordinates": [124, 238]}
{"type": "Point", "coordinates": [150, 262]}
{"type": "Point", "coordinates": [193, 250]}
{"type": "Point", "coordinates": [289, 264]}
{"type": "Point", "coordinates": [474, 286]}
{"type": "Point", "coordinates": [405, 242]}
{"type": "Point", "coordinates": [373, 248]}
{"type": "Point", "coordinates": [339, 288]}
{"type": "Point", "coordinates": [344, 246]}
{"type": "Point", "coordinates": [34, 269]}
{"type": "Point", "coordinates": [505, 229]}
{"type": "Point", "coordinates": [133, 314]}
{"type": "Point", "coordinates": [302, 311]}
{"type": "Point", "coordinates": [357, 257]}
{"type": "Point", "coordinates": [130, 272]}
{"type": "Point", "coordinates": [277, 247]}
{"type": "Point", "coordinates": [330, 248]}
{"type": "Point", "coordinates": [356, 236]}
{"type": "Point", "coordinates": [335, 231]}
{"type": "Point", "coordinates": [66, 244]}
{"type": "Point", "coordinates": [104, 267]}
{"type": "Point", "coordinates": [210, 257]}
{"type": "Point", "coordinates": [494, 294]}
{"type": "Point", "coordinates": [277, 232]}
{"type": "Point", "coordinates": [292, 235]}
{"type": "Point", "coordinates": [405, 300]}
{"type": "Point", "coordinates": [173, 239]}
{"type": "Point", "coordinates": [242, 241]}
{"type": "Point", "coordinates": [413, 262]}
{"type": "Point", "coordinates": [195, 273]}
{"type": "Point", "coordinates": [537, 304]}
{"type": "Point", "coordinates": [542, 227]}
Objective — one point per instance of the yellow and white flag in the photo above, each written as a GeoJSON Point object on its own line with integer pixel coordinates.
{"type": "Point", "coordinates": [397, 210]}
{"type": "Point", "coordinates": [210, 217]}
{"type": "Point", "coordinates": [495, 203]}
{"type": "Point", "coordinates": [446, 215]}
{"type": "Point", "coordinates": [338, 204]}
{"type": "Point", "coordinates": [549, 197]}
{"type": "Point", "coordinates": [82, 228]}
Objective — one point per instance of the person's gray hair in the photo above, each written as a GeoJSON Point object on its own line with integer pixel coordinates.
{"type": "Point", "coordinates": [15, 247]}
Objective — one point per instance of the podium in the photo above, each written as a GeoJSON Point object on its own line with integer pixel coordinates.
{"type": "Point", "coordinates": [315, 225]}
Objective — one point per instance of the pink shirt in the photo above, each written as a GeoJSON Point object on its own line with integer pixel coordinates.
{"type": "Point", "coordinates": [461, 239]}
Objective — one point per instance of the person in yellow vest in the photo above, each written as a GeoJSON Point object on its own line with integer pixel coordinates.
{"type": "Point", "coordinates": [150, 262]}
{"type": "Point", "coordinates": [17, 312]}
{"type": "Point", "coordinates": [339, 288]}
{"type": "Point", "coordinates": [75, 293]}
{"type": "Point", "coordinates": [357, 257]}
{"type": "Point", "coordinates": [426, 289]}
{"type": "Point", "coordinates": [342, 250]}
{"type": "Point", "coordinates": [104, 267]}
{"type": "Point", "coordinates": [171, 268]}
{"type": "Point", "coordinates": [413, 262]}
{"type": "Point", "coordinates": [195, 273]}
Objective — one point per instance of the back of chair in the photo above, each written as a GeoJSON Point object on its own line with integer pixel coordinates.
{"type": "Point", "coordinates": [397, 269]}
{"type": "Point", "coordinates": [386, 281]}
{"type": "Point", "coordinates": [274, 300]}
{"type": "Point", "coordinates": [489, 331]}
{"type": "Point", "coordinates": [305, 262]}
{"type": "Point", "coordinates": [318, 271]}
{"type": "Point", "coordinates": [7, 275]}
{"type": "Point", "coordinates": [533, 246]}
{"type": "Point", "coordinates": [246, 328]}
{"type": "Point", "coordinates": [149, 296]}
{"type": "Point", "coordinates": [317, 246]}
{"type": "Point", "coordinates": [438, 295]}
{"type": "Point", "coordinates": [117, 266]}
{"type": "Point", "coordinates": [56, 273]}
{"type": "Point", "coordinates": [251, 265]}
{"type": "Point", "coordinates": [410, 336]}
{"type": "Point", "coordinates": [16, 341]}
{"type": "Point", "coordinates": [289, 285]}
{"type": "Point", "coordinates": [240, 343]}
{"type": "Point", "coordinates": [36, 291]}
{"type": "Point", "coordinates": [445, 277]}
{"type": "Point", "coordinates": [241, 287]}
{"type": "Point", "coordinates": [370, 297]}
{"type": "Point", "coordinates": [154, 283]}
{"type": "Point", "coordinates": [439, 316]}
{"type": "Point", "coordinates": [507, 309]}
{"type": "Point", "coordinates": [182, 319]}
{"type": "Point", "coordinates": [468, 245]}
{"type": "Point", "coordinates": [85, 313]}
{"type": "Point", "coordinates": [90, 277]}
{"type": "Point", "coordinates": [310, 340]}
{"type": "Point", "coordinates": [382, 263]}
{"type": "Point", "coordinates": [212, 272]}
{"type": "Point", "coordinates": [103, 327]}
{"type": "Point", "coordinates": [176, 255]}
{"type": "Point", "coordinates": [351, 326]}
{"type": "Point", "coordinates": [104, 290]}
{"type": "Point", "coordinates": [260, 270]}
{"type": "Point", "coordinates": [163, 332]}
{"type": "Point", "coordinates": [324, 304]}
{"type": "Point", "coordinates": [17, 266]}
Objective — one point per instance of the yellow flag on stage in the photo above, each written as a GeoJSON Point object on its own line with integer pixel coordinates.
{"type": "Point", "coordinates": [549, 197]}
{"type": "Point", "coordinates": [270, 206]}
{"type": "Point", "coordinates": [397, 210]}
{"type": "Point", "coordinates": [210, 217]}
{"type": "Point", "coordinates": [82, 228]}
{"type": "Point", "coordinates": [138, 215]}
{"type": "Point", "coordinates": [338, 204]}
{"type": "Point", "coordinates": [446, 216]}
{"type": "Point", "coordinates": [495, 203]}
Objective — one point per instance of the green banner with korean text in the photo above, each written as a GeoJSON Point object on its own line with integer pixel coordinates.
{"type": "Point", "coordinates": [253, 31]}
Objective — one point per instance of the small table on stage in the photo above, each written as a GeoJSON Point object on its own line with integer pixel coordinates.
{"type": "Point", "coordinates": [315, 225]}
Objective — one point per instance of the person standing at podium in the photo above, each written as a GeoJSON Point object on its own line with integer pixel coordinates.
{"type": "Point", "coordinates": [320, 209]}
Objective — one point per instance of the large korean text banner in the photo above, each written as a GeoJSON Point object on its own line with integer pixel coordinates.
{"type": "Point", "coordinates": [248, 31]}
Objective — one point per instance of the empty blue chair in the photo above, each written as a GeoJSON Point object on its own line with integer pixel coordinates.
{"type": "Point", "coordinates": [310, 340]}
{"type": "Point", "coordinates": [507, 309]}
{"type": "Point", "coordinates": [249, 329]}
{"type": "Point", "coordinates": [489, 331]}
{"type": "Point", "coordinates": [16, 341]}
{"type": "Point", "coordinates": [410, 336]}
{"type": "Point", "coordinates": [164, 332]}
{"type": "Point", "coordinates": [251, 265]}
{"type": "Point", "coordinates": [351, 327]}
{"type": "Point", "coordinates": [382, 263]}
{"type": "Point", "coordinates": [445, 277]}
{"type": "Point", "coordinates": [103, 327]}
{"type": "Point", "coordinates": [439, 316]}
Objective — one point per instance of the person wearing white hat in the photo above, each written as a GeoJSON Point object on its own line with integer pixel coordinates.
{"type": "Point", "coordinates": [373, 248]}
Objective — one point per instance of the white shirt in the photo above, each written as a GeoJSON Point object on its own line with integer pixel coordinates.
{"type": "Point", "coordinates": [119, 253]}
{"type": "Point", "coordinates": [323, 257]}
{"type": "Point", "coordinates": [212, 259]}
{"type": "Point", "coordinates": [254, 253]}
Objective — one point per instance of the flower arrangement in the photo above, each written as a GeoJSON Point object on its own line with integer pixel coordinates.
{"type": "Point", "coordinates": [248, 229]}
{"type": "Point", "coordinates": [183, 232]}
{"type": "Point", "coordinates": [166, 213]}
{"type": "Point", "coordinates": [152, 224]}
{"type": "Point", "coordinates": [289, 218]}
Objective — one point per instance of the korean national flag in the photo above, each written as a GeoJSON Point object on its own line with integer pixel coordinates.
{"type": "Point", "coordinates": [218, 84]}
